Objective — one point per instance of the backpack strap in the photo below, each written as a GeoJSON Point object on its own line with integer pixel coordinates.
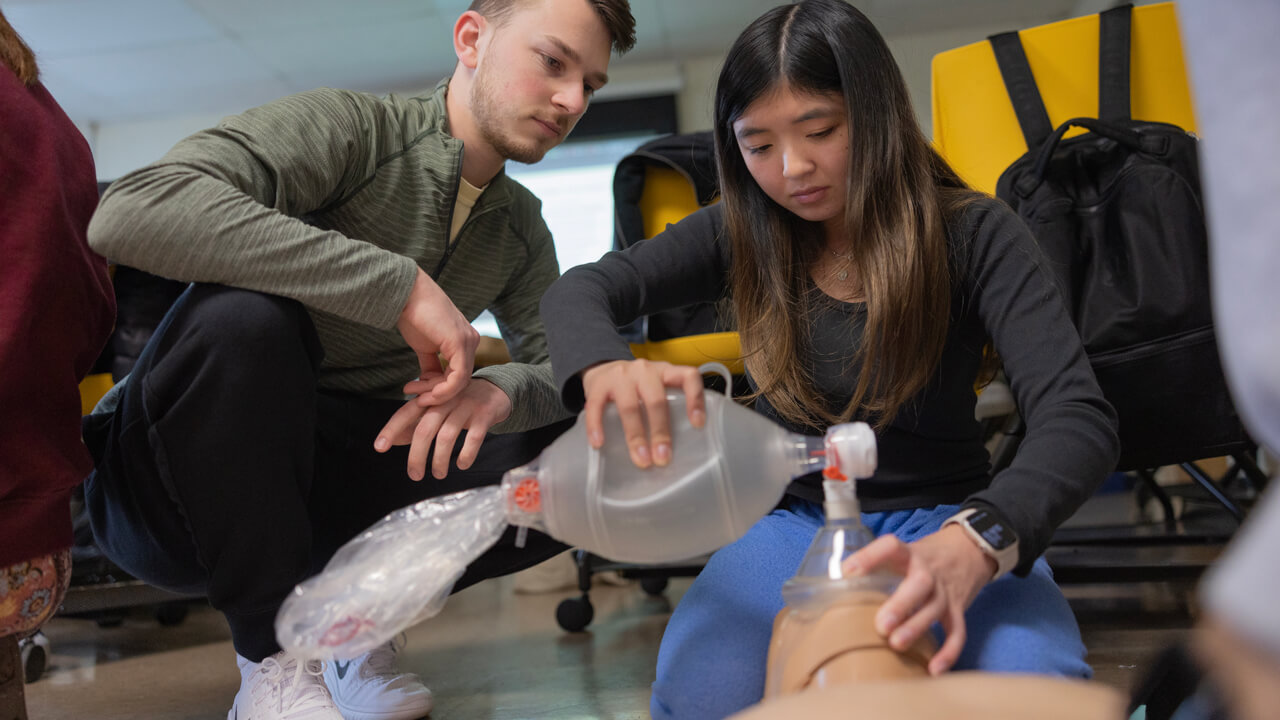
{"type": "Point", "coordinates": [1113, 63]}
{"type": "Point", "coordinates": [1022, 89]}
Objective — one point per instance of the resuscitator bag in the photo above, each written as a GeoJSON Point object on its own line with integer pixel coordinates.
{"type": "Point", "coordinates": [722, 478]}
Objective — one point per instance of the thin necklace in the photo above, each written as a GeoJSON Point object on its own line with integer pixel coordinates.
{"type": "Point", "coordinates": [843, 273]}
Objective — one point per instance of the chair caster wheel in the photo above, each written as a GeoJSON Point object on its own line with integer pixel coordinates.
{"type": "Point", "coordinates": [575, 614]}
{"type": "Point", "coordinates": [171, 614]}
{"type": "Point", "coordinates": [109, 619]}
{"type": "Point", "coordinates": [35, 656]}
{"type": "Point", "coordinates": [654, 585]}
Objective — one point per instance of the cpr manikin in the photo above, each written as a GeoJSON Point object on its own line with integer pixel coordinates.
{"type": "Point", "coordinates": [825, 636]}
{"type": "Point", "coordinates": [826, 659]}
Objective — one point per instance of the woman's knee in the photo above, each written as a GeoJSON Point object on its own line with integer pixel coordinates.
{"type": "Point", "coordinates": [701, 691]}
{"type": "Point", "coordinates": [1024, 625]}
{"type": "Point", "coordinates": [712, 659]}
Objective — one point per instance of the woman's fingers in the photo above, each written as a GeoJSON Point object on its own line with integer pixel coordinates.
{"type": "Point", "coordinates": [913, 594]}
{"type": "Point", "coordinates": [638, 389]}
{"type": "Point", "coordinates": [886, 552]}
{"type": "Point", "coordinates": [599, 384]}
{"type": "Point", "coordinates": [653, 394]}
{"type": "Point", "coordinates": [626, 399]}
{"type": "Point", "coordinates": [916, 622]}
{"type": "Point", "coordinates": [593, 417]}
{"type": "Point", "coordinates": [690, 380]}
{"type": "Point", "coordinates": [949, 653]}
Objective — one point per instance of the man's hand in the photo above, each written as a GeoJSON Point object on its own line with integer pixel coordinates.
{"type": "Point", "coordinates": [434, 328]}
{"type": "Point", "coordinates": [942, 574]}
{"type": "Point", "coordinates": [480, 406]}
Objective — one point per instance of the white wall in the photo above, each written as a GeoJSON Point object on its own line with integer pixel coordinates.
{"type": "Point", "coordinates": [121, 147]}
{"type": "Point", "coordinates": [696, 100]}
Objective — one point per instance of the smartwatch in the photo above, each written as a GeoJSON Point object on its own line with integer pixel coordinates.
{"type": "Point", "coordinates": [992, 537]}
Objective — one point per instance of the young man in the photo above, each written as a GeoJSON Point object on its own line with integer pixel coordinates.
{"type": "Point", "coordinates": [339, 245]}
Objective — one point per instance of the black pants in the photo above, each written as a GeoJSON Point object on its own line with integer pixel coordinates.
{"type": "Point", "coordinates": [224, 471]}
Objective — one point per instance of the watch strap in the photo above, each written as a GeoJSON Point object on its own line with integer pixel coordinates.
{"type": "Point", "coordinates": [1006, 559]}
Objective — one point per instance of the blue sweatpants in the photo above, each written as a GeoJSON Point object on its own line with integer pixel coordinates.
{"type": "Point", "coordinates": [712, 660]}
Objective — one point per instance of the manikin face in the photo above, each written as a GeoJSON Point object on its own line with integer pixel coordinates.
{"type": "Point", "coordinates": [796, 146]}
{"type": "Point", "coordinates": [536, 74]}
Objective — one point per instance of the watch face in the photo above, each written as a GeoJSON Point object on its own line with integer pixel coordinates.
{"type": "Point", "coordinates": [991, 530]}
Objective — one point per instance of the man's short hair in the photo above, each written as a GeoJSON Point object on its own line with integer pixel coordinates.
{"type": "Point", "coordinates": [616, 15]}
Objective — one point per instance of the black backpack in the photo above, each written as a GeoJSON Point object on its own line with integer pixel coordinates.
{"type": "Point", "coordinates": [1118, 213]}
{"type": "Point", "coordinates": [693, 156]}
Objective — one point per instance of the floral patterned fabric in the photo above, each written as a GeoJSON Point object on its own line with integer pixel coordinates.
{"type": "Point", "coordinates": [30, 592]}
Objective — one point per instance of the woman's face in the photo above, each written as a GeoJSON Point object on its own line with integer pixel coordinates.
{"type": "Point", "coordinates": [796, 146]}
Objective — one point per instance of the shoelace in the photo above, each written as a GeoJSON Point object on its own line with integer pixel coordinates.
{"type": "Point", "coordinates": [382, 658]}
{"type": "Point", "coordinates": [288, 684]}
{"type": "Point", "coordinates": [381, 664]}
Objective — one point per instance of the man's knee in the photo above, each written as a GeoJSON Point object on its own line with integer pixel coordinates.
{"type": "Point", "coordinates": [221, 343]}
{"type": "Point", "coordinates": [243, 322]}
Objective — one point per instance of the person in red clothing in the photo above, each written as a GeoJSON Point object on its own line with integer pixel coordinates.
{"type": "Point", "coordinates": [56, 312]}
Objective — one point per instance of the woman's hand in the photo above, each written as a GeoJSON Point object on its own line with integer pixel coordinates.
{"type": "Point", "coordinates": [942, 574]}
{"type": "Point", "coordinates": [639, 389]}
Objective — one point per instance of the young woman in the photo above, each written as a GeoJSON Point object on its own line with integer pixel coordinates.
{"type": "Point", "coordinates": [865, 280]}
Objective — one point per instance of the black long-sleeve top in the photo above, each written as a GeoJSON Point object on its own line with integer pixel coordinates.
{"type": "Point", "coordinates": [932, 452]}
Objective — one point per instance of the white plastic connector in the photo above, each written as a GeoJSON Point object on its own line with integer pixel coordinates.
{"type": "Point", "coordinates": [851, 451]}
{"type": "Point", "coordinates": [851, 454]}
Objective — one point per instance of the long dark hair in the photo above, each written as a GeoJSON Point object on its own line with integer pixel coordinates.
{"type": "Point", "coordinates": [900, 194]}
{"type": "Point", "coordinates": [15, 55]}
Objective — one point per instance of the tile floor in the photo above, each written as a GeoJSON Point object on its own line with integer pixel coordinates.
{"type": "Point", "coordinates": [492, 654]}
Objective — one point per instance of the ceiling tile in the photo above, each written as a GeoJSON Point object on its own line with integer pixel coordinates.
{"type": "Point", "coordinates": [418, 46]}
{"type": "Point", "coordinates": [901, 17]}
{"type": "Point", "coordinates": [246, 16]}
{"type": "Point", "coordinates": [168, 80]}
{"type": "Point", "coordinates": [105, 57]}
{"type": "Point", "coordinates": [708, 28]}
{"type": "Point", "coordinates": [70, 28]}
{"type": "Point", "coordinates": [166, 69]}
{"type": "Point", "coordinates": [226, 98]}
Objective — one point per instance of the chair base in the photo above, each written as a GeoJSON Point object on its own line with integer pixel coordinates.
{"type": "Point", "coordinates": [576, 613]}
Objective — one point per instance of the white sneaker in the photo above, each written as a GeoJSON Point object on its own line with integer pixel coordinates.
{"type": "Point", "coordinates": [370, 688]}
{"type": "Point", "coordinates": [279, 688]}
